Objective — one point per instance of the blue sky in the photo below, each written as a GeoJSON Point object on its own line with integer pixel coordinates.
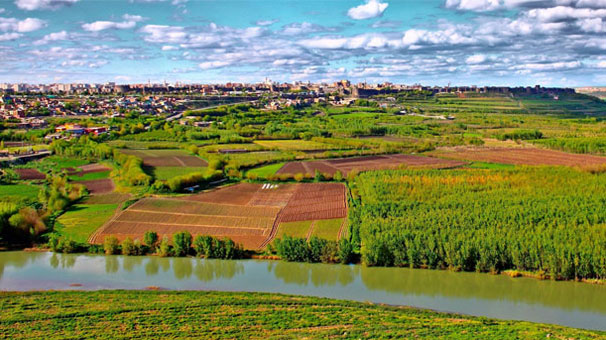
{"type": "Point", "coordinates": [434, 42]}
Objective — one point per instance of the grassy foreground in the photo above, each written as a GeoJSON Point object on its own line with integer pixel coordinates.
{"type": "Point", "coordinates": [224, 315]}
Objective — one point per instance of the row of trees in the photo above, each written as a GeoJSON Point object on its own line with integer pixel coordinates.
{"type": "Point", "coordinates": [183, 244]}
{"type": "Point", "coordinates": [544, 220]}
{"type": "Point", "coordinates": [315, 250]}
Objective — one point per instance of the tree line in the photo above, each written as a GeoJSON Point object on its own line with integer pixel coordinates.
{"type": "Point", "coordinates": [543, 220]}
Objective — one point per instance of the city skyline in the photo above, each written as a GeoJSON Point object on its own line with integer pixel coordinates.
{"type": "Point", "coordinates": [462, 42]}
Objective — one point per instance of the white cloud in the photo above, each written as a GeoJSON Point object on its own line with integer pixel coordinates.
{"type": "Point", "coordinates": [476, 59]}
{"type": "Point", "coordinates": [165, 34]}
{"type": "Point", "coordinates": [371, 9]}
{"type": "Point", "coordinates": [169, 48]}
{"type": "Point", "coordinates": [554, 66]}
{"type": "Point", "coordinates": [560, 13]}
{"type": "Point", "coordinates": [23, 26]}
{"type": "Point", "coordinates": [130, 21]}
{"type": "Point", "coordinates": [56, 36]}
{"type": "Point", "coordinates": [31, 5]}
{"type": "Point", "coordinates": [474, 5]}
{"type": "Point", "coordinates": [601, 64]}
{"type": "Point", "coordinates": [9, 36]}
{"type": "Point", "coordinates": [213, 64]}
{"type": "Point", "coordinates": [594, 25]}
{"type": "Point", "coordinates": [2, 10]}
{"type": "Point", "coordinates": [266, 22]}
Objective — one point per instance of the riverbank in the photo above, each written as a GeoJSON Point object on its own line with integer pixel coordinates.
{"type": "Point", "coordinates": [224, 315]}
{"type": "Point", "coordinates": [262, 256]}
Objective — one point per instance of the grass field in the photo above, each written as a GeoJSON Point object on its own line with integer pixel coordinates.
{"type": "Point", "coordinates": [56, 163]}
{"type": "Point", "coordinates": [167, 172]}
{"type": "Point", "coordinates": [226, 315]}
{"type": "Point", "coordinates": [267, 170]}
{"type": "Point", "coordinates": [81, 220]}
{"type": "Point", "coordinates": [328, 229]}
{"type": "Point", "coordinates": [18, 192]}
{"type": "Point", "coordinates": [90, 176]}
{"type": "Point", "coordinates": [294, 229]}
{"type": "Point", "coordinates": [493, 166]}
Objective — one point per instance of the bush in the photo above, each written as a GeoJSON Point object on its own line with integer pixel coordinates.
{"type": "Point", "coordinates": [164, 248]}
{"type": "Point", "coordinates": [128, 247]}
{"type": "Point", "coordinates": [346, 251]}
{"type": "Point", "coordinates": [203, 246]}
{"type": "Point", "coordinates": [150, 238]}
{"type": "Point", "coordinates": [182, 243]}
{"type": "Point", "coordinates": [67, 246]}
{"type": "Point", "coordinates": [111, 246]}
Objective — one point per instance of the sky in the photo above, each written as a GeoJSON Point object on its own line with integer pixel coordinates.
{"type": "Point", "coordinates": [432, 42]}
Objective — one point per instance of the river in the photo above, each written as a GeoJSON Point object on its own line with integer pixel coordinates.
{"type": "Point", "coordinates": [571, 304]}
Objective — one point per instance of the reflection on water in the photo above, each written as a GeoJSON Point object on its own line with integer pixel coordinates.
{"type": "Point", "coordinates": [318, 275]}
{"type": "Point", "coordinates": [568, 303]}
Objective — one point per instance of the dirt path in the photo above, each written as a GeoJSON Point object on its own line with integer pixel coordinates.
{"type": "Point", "coordinates": [311, 230]}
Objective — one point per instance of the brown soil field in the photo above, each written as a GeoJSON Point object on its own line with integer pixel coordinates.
{"type": "Point", "coordinates": [524, 156]}
{"type": "Point", "coordinates": [316, 201]}
{"type": "Point", "coordinates": [156, 158]}
{"type": "Point", "coordinates": [98, 186]}
{"type": "Point", "coordinates": [381, 162]}
{"type": "Point", "coordinates": [30, 174]}
{"type": "Point", "coordinates": [87, 169]}
{"type": "Point", "coordinates": [247, 213]}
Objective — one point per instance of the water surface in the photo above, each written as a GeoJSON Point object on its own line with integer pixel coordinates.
{"type": "Point", "coordinates": [566, 303]}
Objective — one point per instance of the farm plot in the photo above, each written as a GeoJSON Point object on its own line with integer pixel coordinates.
{"type": "Point", "coordinates": [382, 162]}
{"type": "Point", "coordinates": [30, 174]}
{"type": "Point", "coordinates": [524, 156]}
{"type": "Point", "coordinates": [98, 186]}
{"type": "Point", "coordinates": [316, 201]}
{"type": "Point", "coordinates": [167, 158]}
{"type": "Point", "coordinates": [249, 214]}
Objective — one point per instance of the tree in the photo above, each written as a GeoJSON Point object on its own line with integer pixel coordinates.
{"type": "Point", "coordinates": [151, 239]}
{"type": "Point", "coordinates": [182, 243]}
{"type": "Point", "coordinates": [128, 247]}
{"type": "Point", "coordinates": [111, 245]}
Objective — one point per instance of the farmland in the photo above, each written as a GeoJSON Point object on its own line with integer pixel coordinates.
{"type": "Point", "coordinates": [103, 314]}
{"type": "Point", "coordinates": [81, 220]}
{"type": "Point", "coordinates": [247, 213]}
{"type": "Point", "coordinates": [524, 156]}
{"type": "Point", "coordinates": [166, 158]}
{"type": "Point", "coordinates": [382, 162]}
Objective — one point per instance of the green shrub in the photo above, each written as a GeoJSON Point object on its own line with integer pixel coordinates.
{"type": "Point", "coordinates": [150, 238]}
{"type": "Point", "coordinates": [111, 246]}
{"type": "Point", "coordinates": [182, 243]}
{"type": "Point", "coordinates": [128, 247]}
{"type": "Point", "coordinates": [164, 249]}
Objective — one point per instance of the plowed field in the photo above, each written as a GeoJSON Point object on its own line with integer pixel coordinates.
{"type": "Point", "coordinates": [98, 186]}
{"type": "Point", "coordinates": [382, 162]}
{"type": "Point", "coordinates": [30, 174]}
{"type": "Point", "coordinates": [170, 158]}
{"type": "Point", "coordinates": [247, 213]}
{"type": "Point", "coordinates": [525, 156]}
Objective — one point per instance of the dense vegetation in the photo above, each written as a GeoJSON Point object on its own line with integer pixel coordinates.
{"type": "Point", "coordinates": [546, 220]}
{"type": "Point", "coordinates": [181, 315]}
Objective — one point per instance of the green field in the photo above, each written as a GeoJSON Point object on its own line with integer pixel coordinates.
{"type": "Point", "coordinates": [90, 176]}
{"type": "Point", "coordinates": [224, 315]}
{"type": "Point", "coordinates": [168, 172]}
{"type": "Point", "coordinates": [493, 166]}
{"type": "Point", "coordinates": [328, 229]}
{"type": "Point", "coordinates": [81, 220]}
{"type": "Point", "coordinates": [294, 229]}
{"type": "Point", "coordinates": [18, 192]}
{"type": "Point", "coordinates": [266, 171]}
